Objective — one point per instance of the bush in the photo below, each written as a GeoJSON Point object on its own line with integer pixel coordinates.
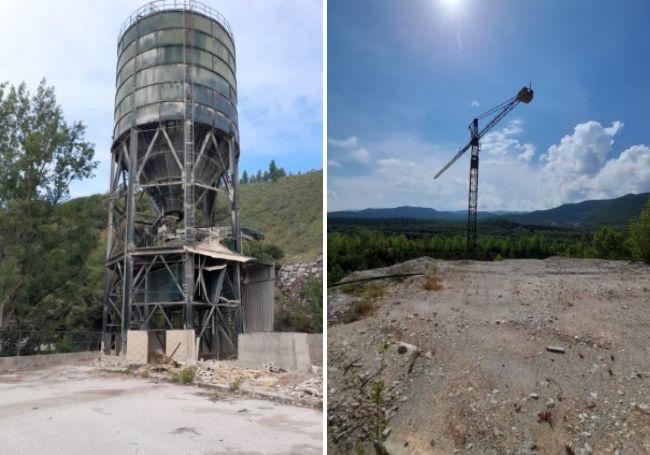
{"type": "Point", "coordinates": [432, 283]}
{"type": "Point", "coordinates": [236, 384]}
{"type": "Point", "coordinates": [361, 309]}
{"type": "Point", "coordinates": [187, 374]}
{"type": "Point", "coordinates": [264, 251]}
{"type": "Point", "coordinates": [640, 234]}
{"type": "Point", "coordinates": [314, 295]}
{"type": "Point", "coordinates": [610, 244]}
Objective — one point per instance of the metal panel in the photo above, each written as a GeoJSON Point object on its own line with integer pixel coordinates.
{"type": "Point", "coordinates": [151, 55]}
{"type": "Point", "coordinates": [258, 296]}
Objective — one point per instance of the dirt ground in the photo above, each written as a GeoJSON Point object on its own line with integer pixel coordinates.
{"type": "Point", "coordinates": [515, 356]}
{"type": "Point", "coordinates": [83, 410]}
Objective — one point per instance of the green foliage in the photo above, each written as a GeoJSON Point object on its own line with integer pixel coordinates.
{"type": "Point", "coordinates": [264, 251]}
{"type": "Point", "coordinates": [288, 211]}
{"type": "Point", "coordinates": [610, 244]}
{"type": "Point", "coordinates": [307, 316]}
{"type": "Point", "coordinates": [640, 234]}
{"type": "Point", "coordinates": [50, 275]}
{"type": "Point", "coordinates": [64, 345]}
{"type": "Point", "coordinates": [314, 295]}
{"type": "Point", "coordinates": [368, 244]}
{"type": "Point", "coordinates": [187, 374]}
{"type": "Point", "coordinates": [236, 384]}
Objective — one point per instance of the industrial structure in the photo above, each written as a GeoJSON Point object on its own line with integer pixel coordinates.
{"type": "Point", "coordinates": [174, 244]}
{"type": "Point", "coordinates": [525, 96]}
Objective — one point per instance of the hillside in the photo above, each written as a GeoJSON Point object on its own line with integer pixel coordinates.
{"type": "Point", "coordinates": [595, 213]}
{"type": "Point", "coordinates": [587, 214]}
{"type": "Point", "coordinates": [416, 213]}
{"type": "Point", "coordinates": [289, 212]}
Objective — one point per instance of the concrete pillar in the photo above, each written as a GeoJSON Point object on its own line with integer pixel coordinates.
{"type": "Point", "coordinates": [138, 352]}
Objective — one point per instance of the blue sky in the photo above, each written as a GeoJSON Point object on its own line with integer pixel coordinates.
{"type": "Point", "coordinates": [405, 78]}
{"type": "Point", "coordinates": [279, 54]}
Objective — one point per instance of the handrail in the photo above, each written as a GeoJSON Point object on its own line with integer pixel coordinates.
{"type": "Point", "coordinates": [157, 6]}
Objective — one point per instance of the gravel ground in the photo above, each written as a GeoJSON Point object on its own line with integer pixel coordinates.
{"type": "Point", "coordinates": [516, 356]}
{"type": "Point", "coordinates": [82, 410]}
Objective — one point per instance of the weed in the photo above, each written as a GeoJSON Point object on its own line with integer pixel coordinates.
{"type": "Point", "coordinates": [187, 374]}
{"type": "Point", "coordinates": [432, 283]}
{"type": "Point", "coordinates": [236, 384]}
{"type": "Point", "coordinates": [361, 309]}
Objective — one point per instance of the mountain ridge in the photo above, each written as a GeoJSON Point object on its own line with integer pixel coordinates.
{"type": "Point", "coordinates": [588, 213]}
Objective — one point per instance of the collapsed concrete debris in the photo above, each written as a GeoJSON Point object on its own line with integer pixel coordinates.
{"type": "Point", "coordinates": [302, 388]}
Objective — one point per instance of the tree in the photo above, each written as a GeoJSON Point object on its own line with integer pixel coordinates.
{"type": "Point", "coordinates": [640, 234]}
{"type": "Point", "coordinates": [275, 172]}
{"type": "Point", "coordinates": [244, 177]}
{"type": "Point", "coordinates": [44, 244]}
{"type": "Point", "coordinates": [610, 244]}
{"type": "Point", "coordinates": [259, 177]}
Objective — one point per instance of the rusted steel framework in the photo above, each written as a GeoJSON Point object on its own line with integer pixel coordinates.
{"type": "Point", "coordinates": [174, 243]}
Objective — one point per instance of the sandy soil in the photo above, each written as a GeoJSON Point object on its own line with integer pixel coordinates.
{"type": "Point", "coordinates": [82, 410]}
{"type": "Point", "coordinates": [481, 377]}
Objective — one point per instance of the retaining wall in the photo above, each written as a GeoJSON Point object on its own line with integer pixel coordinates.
{"type": "Point", "coordinates": [46, 360]}
{"type": "Point", "coordinates": [288, 350]}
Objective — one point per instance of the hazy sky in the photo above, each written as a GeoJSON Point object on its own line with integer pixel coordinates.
{"type": "Point", "coordinates": [72, 43]}
{"type": "Point", "coordinates": [407, 77]}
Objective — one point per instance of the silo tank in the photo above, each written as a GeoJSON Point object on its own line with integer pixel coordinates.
{"type": "Point", "coordinates": [176, 63]}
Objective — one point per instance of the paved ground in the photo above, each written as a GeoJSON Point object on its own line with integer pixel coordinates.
{"type": "Point", "coordinates": [80, 410]}
{"type": "Point", "coordinates": [475, 374]}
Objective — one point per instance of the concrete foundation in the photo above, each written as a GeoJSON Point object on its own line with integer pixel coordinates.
{"type": "Point", "coordinates": [180, 345]}
{"type": "Point", "coordinates": [137, 347]}
{"type": "Point", "coordinates": [288, 350]}
{"type": "Point", "coordinates": [46, 360]}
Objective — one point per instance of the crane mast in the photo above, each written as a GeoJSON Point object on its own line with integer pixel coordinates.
{"type": "Point", "coordinates": [525, 96]}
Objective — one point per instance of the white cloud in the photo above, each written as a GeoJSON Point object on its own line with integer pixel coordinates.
{"type": "Point", "coordinates": [475, 103]}
{"type": "Point", "coordinates": [279, 69]}
{"type": "Point", "coordinates": [582, 166]}
{"type": "Point", "coordinates": [347, 150]}
{"type": "Point", "coordinates": [333, 163]}
{"type": "Point", "coordinates": [503, 145]}
{"type": "Point", "coordinates": [578, 167]}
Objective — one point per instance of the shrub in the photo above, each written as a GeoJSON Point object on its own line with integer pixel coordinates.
{"type": "Point", "coordinates": [432, 283]}
{"type": "Point", "coordinates": [236, 384]}
{"type": "Point", "coordinates": [360, 309]}
{"type": "Point", "coordinates": [187, 374]}
{"type": "Point", "coordinates": [314, 295]}
{"type": "Point", "coordinates": [640, 234]}
{"type": "Point", "coordinates": [610, 244]}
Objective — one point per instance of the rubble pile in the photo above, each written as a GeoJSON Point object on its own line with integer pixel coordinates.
{"type": "Point", "coordinates": [302, 388]}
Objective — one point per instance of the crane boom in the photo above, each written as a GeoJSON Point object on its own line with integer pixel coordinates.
{"type": "Point", "coordinates": [525, 96]}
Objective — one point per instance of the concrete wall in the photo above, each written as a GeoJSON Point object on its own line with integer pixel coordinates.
{"type": "Point", "coordinates": [137, 347]}
{"type": "Point", "coordinates": [315, 341]}
{"type": "Point", "coordinates": [46, 360]}
{"type": "Point", "coordinates": [288, 350]}
{"type": "Point", "coordinates": [183, 342]}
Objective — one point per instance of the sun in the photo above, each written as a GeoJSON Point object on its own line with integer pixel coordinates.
{"type": "Point", "coordinates": [452, 6]}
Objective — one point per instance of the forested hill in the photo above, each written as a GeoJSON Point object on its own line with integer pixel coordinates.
{"type": "Point", "coordinates": [591, 214]}
{"type": "Point", "coordinates": [587, 214]}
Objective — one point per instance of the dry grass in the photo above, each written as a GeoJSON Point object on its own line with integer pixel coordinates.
{"type": "Point", "coordinates": [432, 283]}
{"type": "Point", "coordinates": [367, 295]}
